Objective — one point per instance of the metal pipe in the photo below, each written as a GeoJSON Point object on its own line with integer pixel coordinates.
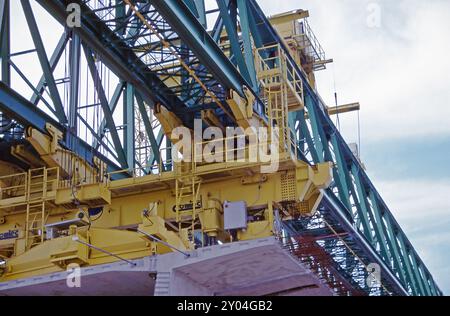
{"type": "Point", "coordinates": [77, 239]}
{"type": "Point", "coordinates": [164, 243]}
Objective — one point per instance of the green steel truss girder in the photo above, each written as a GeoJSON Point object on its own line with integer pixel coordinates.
{"type": "Point", "coordinates": [149, 130]}
{"type": "Point", "coordinates": [24, 112]}
{"type": "Point", "coordinates": [155, 156]}
{"type": "Point", "coordinates": [42, 55]}
{"type": "Point", "coordinates": [321, 141]}
{"type": "Point", "coordinates": [47, 80]}
{"type": "Point", "coordinates": [5, 69]}
{"type": "Point", "coordinates": [198, 9]}
{"type": "Point", "coordinates": [73, 142]}
{"type": "Point", "coordinates": [349, 171]}
{"type": "Point", "coordinates": [206, 49]}
{"type": "Point", "coordinates": [121, 15]}
{"type": "Point", "coordinates": [112, 105]}
{"type": "Point", "coordinates": [31, 86]}
{"type": "Point", "coordinates": [74, 72]}
{"type": "Point", "coordinates": [132, 31]}
{"type": "Point", "coordinates": [382, 236]}
{"type": "Point", "coordinates": [341, 177]}
{"type": "Point", "coordinates": [369, 216]}
{"type": "Point", "coordinates": [121, 155]}
{"type": "Point", "coordinates": [248, 50]}
{"type": "Point", "coordinates": [115, 52]}
{"type": "Point", "coordinates": [364, 208]}
{"type": "Point", "coordinates": [229, 17]}
{"type": "Point", "coordinates": [129, 126]}
{"type": "Point", "coordinates": [393, 245]}
{"type": "Point", "coordinates": [54, 60]}
{"type": "Point", "coordinates": [309, 141]}
{"type": "Point", "coordinates": [423, 279]}
{"type": "Point", "coordinates": [415, 284]}
{"type": "Point", "coordinates": [317, 132]}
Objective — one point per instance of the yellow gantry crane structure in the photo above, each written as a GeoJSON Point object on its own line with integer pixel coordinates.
{"type": "Point", "coordinates": [214, 137]}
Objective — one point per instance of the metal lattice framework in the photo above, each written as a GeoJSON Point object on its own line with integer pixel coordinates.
{"type": "Point", "coordinates": [129, 56]}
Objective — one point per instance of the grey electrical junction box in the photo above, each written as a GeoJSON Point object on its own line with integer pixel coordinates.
{"type": "Point", "coordinates": [235, 215]}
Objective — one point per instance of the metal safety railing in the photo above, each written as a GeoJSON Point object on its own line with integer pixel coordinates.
{"type": "Point", "coordinates": [308, 41]}
{"type": "Point", "coordinates": [230, 152]}
{"type": "Point", "coordinates": [158, 168]}
{"type": "Point", "coordinates": [36, 184]}
{"type": "Point", "coordinates": [274, 69]}
{"type": "Point", "coordinates": [13, 186]}
{"type": "Point", "coordinates": [282, 91]}
{"type": "Point", "coordinates": [30, 191]}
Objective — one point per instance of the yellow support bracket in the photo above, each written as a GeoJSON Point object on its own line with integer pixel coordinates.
{"type": "Point", "coordinates": [168, 120]}
{"type": "Point", "coordinates": [311, 181]}
{"type": "Point", "coordinates": [156, 226]}
{"type": "Point", "coordinates": [288, 16]}
{"type": "Point", "coordinates": [242, 109]}
{"type": "Point", "coordinates": [210, 118]}
{"type": "Point", "coordinates": [91, 195]}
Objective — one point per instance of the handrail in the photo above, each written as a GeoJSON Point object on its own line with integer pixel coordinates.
{"type": "Point", "coordinates": [50, 176]}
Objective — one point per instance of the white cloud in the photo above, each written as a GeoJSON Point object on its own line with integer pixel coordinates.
{"type": "Point", "coordinates": [399, 72]}
{"type": "Point", "coordinates": [410, 201]}
{"type": "Point", "coordinates": [423, 211]}
{"type": "Point", "coordinates": [401, 75]}
{"type": "Point", "coordinates": [402, 83]}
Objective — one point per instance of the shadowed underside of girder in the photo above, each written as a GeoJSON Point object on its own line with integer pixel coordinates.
{"type": "Point", "coordinates": [160, 53]}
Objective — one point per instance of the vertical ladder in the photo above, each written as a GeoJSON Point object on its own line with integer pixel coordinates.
{"type": "Point", "coordinates": [35, 222]}
{"type": "Point", "coordinates": [36, 192]}
{"type": "Point", "coordinates": [187, 191]}
{"type": "Point", "coordinates": [282, 89]}
{"type": "Point", "coordinates": [278, 115]}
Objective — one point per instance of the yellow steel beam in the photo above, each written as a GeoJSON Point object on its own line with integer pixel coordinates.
{"type": "Point", "coordinates": [323, 62]}
{"type": "Point", "coordinates": [210, 118]}
{"type": "Point", "coordinates": [168, 120]}
{"type": "Point", "coordinates": [149, 203]}
{"type": "Point", "coordinates": [287, 17]}
{"type": "Point", "coordinates": [341, 109]}
{"type": "Point", "coordinates": [346, 108]}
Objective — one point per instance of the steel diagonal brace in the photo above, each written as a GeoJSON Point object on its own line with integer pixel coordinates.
{"type": "Point", "coordinates": [117, 55]}
{"type": "Point", "coordinates": [178, 15]}
{"type": "Point", "coordinates": [42, 55]}
{"type": "Point", "coordinates": [271, 36]}
{"type": "Point", "coordinates": [173, 51]}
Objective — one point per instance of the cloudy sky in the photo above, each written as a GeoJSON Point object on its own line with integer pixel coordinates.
{"type": "Point", "coordinates": [391, 57]}
{"type": "Point", "coordinates": [398, 70]}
